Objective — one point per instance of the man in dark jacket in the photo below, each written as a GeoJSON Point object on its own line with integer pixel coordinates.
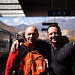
{"type": "Point", "coordinates": [62, 55]}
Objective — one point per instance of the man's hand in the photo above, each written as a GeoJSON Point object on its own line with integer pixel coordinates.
{"type": "Point", "coordinates": [15, 46]}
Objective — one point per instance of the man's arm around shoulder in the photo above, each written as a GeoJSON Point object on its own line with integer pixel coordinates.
{"type": "Point", "coordinates": [12, 59]}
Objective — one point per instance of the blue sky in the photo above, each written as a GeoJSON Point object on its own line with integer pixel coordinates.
{"type": "Point", "coordinates": [12, 21]}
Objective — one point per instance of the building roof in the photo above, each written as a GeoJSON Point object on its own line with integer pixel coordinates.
{"type": "Point", "coordinates": [34, 8]}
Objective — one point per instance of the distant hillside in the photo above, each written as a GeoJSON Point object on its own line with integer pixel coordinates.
{"type": "Point", "coordinates": [9, 28]}
{"type": "Point", "coordinates": [68, 33]}
{"type": "Point", "coordinates": [64, 24]}
{"type": "Point", "coordinates": [65, 32]}
{"type": "Point", "coordinates": [42, 35]}
{"type": "Point", "coordinates": [22, 26]}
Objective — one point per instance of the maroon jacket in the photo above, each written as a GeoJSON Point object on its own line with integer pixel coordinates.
{"type": "Point", "coordinates": [12, 60]}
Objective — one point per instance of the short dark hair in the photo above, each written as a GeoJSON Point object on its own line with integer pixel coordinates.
{"type": "Point", "coordinates": [54, 25]}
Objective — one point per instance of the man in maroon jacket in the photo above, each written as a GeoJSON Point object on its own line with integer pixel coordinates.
{"type": "Point", "coordinates": [31, 35]}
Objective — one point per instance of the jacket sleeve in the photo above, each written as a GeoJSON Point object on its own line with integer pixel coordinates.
{"type": "Point", "coordinates": [11, 62]}
{"type": "Point", "coordinates": [73, 58]}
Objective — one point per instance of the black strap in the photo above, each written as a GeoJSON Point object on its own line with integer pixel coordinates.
{"type": "Point", "coordinates": [23, 51]}
{"type": "Point", "coordinates": [25, 47]}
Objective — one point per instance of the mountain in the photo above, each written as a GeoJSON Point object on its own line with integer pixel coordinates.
{"type": "Point", "coordinates": [65, 32]}
{"type": "Point", "coordinates": [42, 35]}
{"type": "Point", "coordinates": [67, 27]}
{"type": "Point", "coordinates": [67, 24]}
{"type": "Point", "coordinates": [22, 26]}
{"type": "Point", "coordinates": [68, 33]}
{"type": "Point", "coordinates": [63, 23]}
{"type": "Point", "coordinates": [9, 28]}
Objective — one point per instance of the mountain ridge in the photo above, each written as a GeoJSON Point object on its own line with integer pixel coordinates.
{"type": "Point", "coordinates": [9, 28]}
{"type": "Point", "coordinates": [63, 24]}
{"type": "Point", "coordinates": [42, 35]}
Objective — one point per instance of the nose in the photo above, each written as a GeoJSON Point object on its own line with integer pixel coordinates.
{"type": "Point", "coordinates": [53, 34]}
{"type": "Point", "coordinates": [31, 35]}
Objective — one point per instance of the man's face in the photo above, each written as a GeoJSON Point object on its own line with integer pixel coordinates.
{"type": "Point", "coordinates": [54, 35]}
{"type": "Point", "coordinates": [31, 35]}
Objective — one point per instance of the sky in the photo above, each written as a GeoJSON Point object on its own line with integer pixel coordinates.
{"type": "Point", "coordinates": [13, 21]}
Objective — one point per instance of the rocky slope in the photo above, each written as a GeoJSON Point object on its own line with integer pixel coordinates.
{"type": "Point", "coordinates": [9, 28]}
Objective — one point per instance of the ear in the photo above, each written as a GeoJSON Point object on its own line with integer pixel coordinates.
{"type": "Point", "coordinates": [60, 33]}
{"type": "Point", "coordinates": [37, 35]}
{"type": "Point", "coordinates": [47, 34]}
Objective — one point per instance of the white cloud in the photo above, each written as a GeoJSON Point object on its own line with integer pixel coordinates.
{"type": "Point", "coordinates": [5, 21]}
{"type": "Point", "coordinates": [22, 22]}
{"type": "Point", "coordinates": [31, 21]}
{"type": "Point", "coordinates": [38, 19]}
{"type": "Point", "coordinates": [19, 21]}
{"type": "Point", "coordinates": [16, 20]}
{"type": "Point", "coordinates": [34, 20]}
{"type": "Point", "coordinates": [10, 24]}
{"type": "Point", "coordinates": [65, 18]}
{"type": "Point", "coordinates": [26, 23]}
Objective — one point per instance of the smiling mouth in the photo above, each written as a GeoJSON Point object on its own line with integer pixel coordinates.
{"type": "Point", "coordinates": [54, 40]}
{"type": "Point", "coordinates": [30, 40]}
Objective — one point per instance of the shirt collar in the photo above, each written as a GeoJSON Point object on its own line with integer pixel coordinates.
{"type": "Point", "coordinates": [27, 44]}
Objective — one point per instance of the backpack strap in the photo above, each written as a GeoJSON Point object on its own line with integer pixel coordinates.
{"type": "Point", "coordinates": [23, 51]}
